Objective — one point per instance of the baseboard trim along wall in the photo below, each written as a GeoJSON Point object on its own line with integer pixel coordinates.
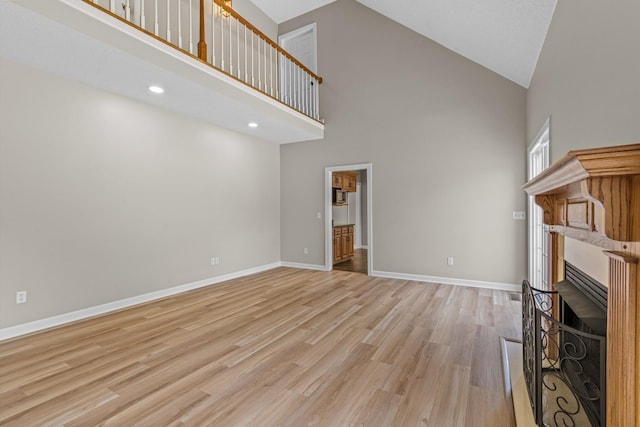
{"type": "Point", "coordinates": [85, 313]}
{"type": "Point", "coordinates": [450, 281]}
{"type": "Point", "coordinates": [303, 266]}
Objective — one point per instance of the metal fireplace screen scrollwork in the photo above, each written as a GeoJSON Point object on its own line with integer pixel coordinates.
{"type": "Point", "coordinates": [558, 360]}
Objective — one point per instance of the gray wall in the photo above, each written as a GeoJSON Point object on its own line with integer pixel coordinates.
{"type": "Point", "coordinates": [587, 77]}
{"type": "Point", "coordinates": [446, 138]}
{"type": "Point", "coordinates": [104, 198]}
{"type": "Point", "coordinates": [257, 17]}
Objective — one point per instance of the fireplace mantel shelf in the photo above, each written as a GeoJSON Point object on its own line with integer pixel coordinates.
{"type": "Point", "coordinates": [593, 191]}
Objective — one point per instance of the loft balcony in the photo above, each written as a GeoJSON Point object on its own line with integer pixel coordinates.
{"type": "Point", "coordinates": [213, 64]}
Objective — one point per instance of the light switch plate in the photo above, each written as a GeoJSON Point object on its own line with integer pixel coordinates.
{"type": "Point", "coordinates": [519, 215]}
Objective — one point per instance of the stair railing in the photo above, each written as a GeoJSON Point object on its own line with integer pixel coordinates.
{"type": "Point", "coordinates": [222, 38]}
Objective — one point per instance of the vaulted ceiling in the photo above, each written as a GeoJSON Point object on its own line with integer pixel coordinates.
{"type": "Point", "coordinates": [505, 36]}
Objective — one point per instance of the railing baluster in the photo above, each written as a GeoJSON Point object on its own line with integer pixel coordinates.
{"type": "Point", "coordinates": [316, 105]}
{"type": "Point", "coordinates": [221, 42]}
{"type": "Point", "coordinates": [296, 90]}
{"type": "Point", "coordinates": [253, 79]}
{"type": "Point", "coordinates": [299, 87]}
{"type": "Point", "coordinates": [112, 6]}
{"type": "Point", "coordinates": [143, 23]}
{"type": "Point", "coordinates": [246, 68]}
{"type": "Point", "coordinates": [168, 21]}
{"type": "Point", "coordinates": [156, 23]}
{"type": "Point", "coordinates": [259, 71]}
{"type": "Point", "coordinates": [213, 34]}
{"type": "Point", "coordinates": [294, 82]}
{"type": "Point", "coordinates": [309, 93]}
{"type": "Point", "coordinates": [266, 45]}
{"type": "Point", "coordinates": [310, 97]}
{"type": "Point", "coordinates": [127, 10]}
{"type": "Point", "coordinates": [278, 76]}
{"type": "Point", "coordinates": [271, 72]}
{"type": "Point", "coordinates": [304, 92]}
{"type": "Point", "coordinates": [190, 27]}
{"type": "Point", "coordinates": [288, 82]}
{"type": "Point", "coordinates": [230, 46]}
{"type": "Point", "coordinates": [238, 46]}
{"type": "Point", "coordinates": [179, 24]}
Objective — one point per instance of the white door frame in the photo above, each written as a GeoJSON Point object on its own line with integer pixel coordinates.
{"type": "Point", "coordinates": [328, 229]}
{"type": "Point", "coordinates": [284, 38]}
{"type": "Point", "coordinates": [358, 221]}
{"type": "Point", "coordinates": [538, 268]}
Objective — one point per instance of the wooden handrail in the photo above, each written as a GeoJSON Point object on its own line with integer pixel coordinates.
{"type": "Point", "coordinates": [220, 3]}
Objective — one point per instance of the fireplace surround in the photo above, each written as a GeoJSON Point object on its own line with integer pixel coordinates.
{"type": "Point", "coordinates": [593, 196]}
{"type": "Point", "coordinates": [564, 350]}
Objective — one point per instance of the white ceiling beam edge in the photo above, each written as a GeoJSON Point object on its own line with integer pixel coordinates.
{"type": "Point", "coordinates": [75, 40]}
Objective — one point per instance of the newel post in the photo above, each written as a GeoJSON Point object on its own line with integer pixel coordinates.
{"type": "Point", "coordinates": [202, 45]}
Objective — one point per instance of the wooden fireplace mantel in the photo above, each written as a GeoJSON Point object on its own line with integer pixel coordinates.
{"type": "Point", "coordinates": [594, 195]}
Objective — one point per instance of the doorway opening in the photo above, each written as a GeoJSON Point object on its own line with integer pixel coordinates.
{"type": "Point", "coordinates": [348, 218]}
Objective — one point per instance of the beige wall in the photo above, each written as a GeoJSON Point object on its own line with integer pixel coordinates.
{"type": "Point", "coordinates": [587, 76]}
{"type": "Point", "coordinates": [257, 17]}
{"type": "Point", "coordinates": [104, 198]}
{"type": "Point", "coordinates": [446, 138]}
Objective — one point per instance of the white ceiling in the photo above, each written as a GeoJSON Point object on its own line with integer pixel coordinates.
{"type": "Point", "coordinates": [503, 35]}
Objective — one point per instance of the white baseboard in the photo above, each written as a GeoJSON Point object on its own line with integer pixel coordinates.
{"type": "Point", "coordinates": [74, 316]}
{"type": "Point", "coordinates": [303, 266]}
{"type": "Point", "coordinates": [450, 281]}
{"type": "Point", "coordinates": [50, 322]}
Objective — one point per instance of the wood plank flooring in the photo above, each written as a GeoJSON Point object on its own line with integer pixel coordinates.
{"type": "Point", "coordinates": [357, 264]}
{"type": "Point", "coordinates": [285, 347]}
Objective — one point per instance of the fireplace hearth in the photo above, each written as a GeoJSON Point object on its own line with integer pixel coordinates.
{"type": "Point", "coordinates": [564, 351]}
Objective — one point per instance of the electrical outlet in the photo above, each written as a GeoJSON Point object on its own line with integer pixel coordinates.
{"type": "Point", "coordinates": [319, 215]}
{"type": "Point", "coordinates": [217, 260]}
{"type": "Point", "coordinates": [450, 260]}
{"type": "Point", "coordinates": [519, 215]}
{"type": "Point", "coordinates": [21, 297]}
{"type": "Point", "coordinates": [306, 251]}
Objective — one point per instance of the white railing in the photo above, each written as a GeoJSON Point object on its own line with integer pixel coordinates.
{"type": "Point", "coordinates": [219, 36]}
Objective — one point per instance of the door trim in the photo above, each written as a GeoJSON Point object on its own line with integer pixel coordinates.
{"type": "Point", "coordinates": [283, 38]}
{"type": "Point", "coordinates": [328, 229]}
{"type": "Point", "coordinates": [535, 227]}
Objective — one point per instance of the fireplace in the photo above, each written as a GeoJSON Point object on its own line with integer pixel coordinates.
{"type": "Point", "coordinates": [564, 350]}
{"type": "Point", "coordinates": [593, 195]}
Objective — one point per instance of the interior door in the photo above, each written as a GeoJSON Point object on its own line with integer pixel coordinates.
{"type": "Point", "coordinates": [302, 45]}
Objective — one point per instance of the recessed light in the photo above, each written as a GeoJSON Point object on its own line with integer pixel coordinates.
{"type": "Point", "coordinates": [253, 125]}
{"type": "Point", "coordinates": [156, 89]}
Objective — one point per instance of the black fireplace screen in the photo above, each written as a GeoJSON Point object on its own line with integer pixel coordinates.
{"type": "Point", "coordinates": [564, 361]}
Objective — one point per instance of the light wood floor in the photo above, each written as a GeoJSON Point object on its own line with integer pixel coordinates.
{"type": "Point", "coordinates": [286, 347]}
